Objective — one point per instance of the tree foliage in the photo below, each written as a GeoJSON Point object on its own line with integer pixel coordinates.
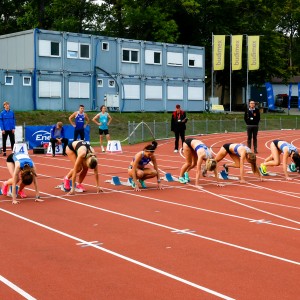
{"type": "Point", "coordinates": [175, 21]}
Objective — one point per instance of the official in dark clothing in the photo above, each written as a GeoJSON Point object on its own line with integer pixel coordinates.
{"type": "Point", "coordinates": [8, 126]}
{"type": "Point", "coordinates": [178, 125]}
{"type": "Point", "coordinates": [252, 118]}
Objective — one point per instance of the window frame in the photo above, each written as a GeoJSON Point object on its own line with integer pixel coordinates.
{"type": "Point", "coordinates": [12, 80]}
{"type": "Point", "coordinates": [24, 83]}
{"type": "Point", "coordinates": [131, 50]}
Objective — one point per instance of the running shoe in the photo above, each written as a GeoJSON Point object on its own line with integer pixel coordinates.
{"type": "Point", "coordinates": [80, 187]}
{"type": "Point", "coordinates": [263, 170]}
{"type": "Point", "coordinates": [4, 189]}
{"type": "Point", "coordinates": [102, 148]}
{"type": "Point", "coordinates": [67, 184]}
{"type": "Point", "coordinates": [186, 177]}
{"type": "Point", "coordinates": [182, 180]}
{"type": "Point", "coordinates": [175, 151]}
{"type": "Point", "coordinates": [142, 182]}
{"type": "Point", "coordinates": [22, 194]}
{"type": "Point", "coordinates": [292, 167]}
{"type": "Point", "coordinates": [204, 172]}
{"type": "Point", "coordinates": [133, 184]}
{"type": "Point", "coordinates": [226, 168]}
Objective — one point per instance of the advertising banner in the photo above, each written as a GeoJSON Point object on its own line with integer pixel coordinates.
{"type": "Point", "coordinates": [219, 52]}
{"type": "Point", "coordinates": [270, 96]}
{"type": "Point", "coordinates": [236, 54]}
{"type": "Point", "coordinates": [37, 136]}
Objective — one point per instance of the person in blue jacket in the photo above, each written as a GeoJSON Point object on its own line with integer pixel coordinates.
{"type": "Point", "coordinates": [58, 137]}
{"type": "Point", "coordinates": [81, 120]}
{"type": "Point", "coordinates": [103, 119]}
{"type": "Point", "coordinates": [8, 126]}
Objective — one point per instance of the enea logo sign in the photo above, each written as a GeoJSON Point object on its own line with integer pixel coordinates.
{"type": "Point", "coordinates": [41, 136]}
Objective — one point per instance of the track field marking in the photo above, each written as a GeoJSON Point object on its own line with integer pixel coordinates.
{"type": "Point", "coordinates": [126, 258]}
{"type": "Point", "coordinates": [16, 288]}
{"type": "Point", "coordinates": [170, 229]}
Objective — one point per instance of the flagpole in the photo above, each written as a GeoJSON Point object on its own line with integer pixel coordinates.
{"type": "Point", "coordinates": [212, 68]}
{"type": "Point", "coordinates": [230, 70]}
{"type": "Point", "coordinates": [247, 45]}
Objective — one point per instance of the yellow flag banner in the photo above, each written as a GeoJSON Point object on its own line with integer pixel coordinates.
{"type": "Point", "coordinates": [236, 52]}
{"type": "Point", "coordinates": [219, 52]}
{"type": "Point", "coordinates": [253, 53]}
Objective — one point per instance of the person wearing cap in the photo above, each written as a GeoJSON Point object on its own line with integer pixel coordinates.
{"type": "Point", "coordinates": [178, 125]}
{"type": "Point", "coordinates": [7, 125]}
{"type": "Point", "coordinates": [58, 137]}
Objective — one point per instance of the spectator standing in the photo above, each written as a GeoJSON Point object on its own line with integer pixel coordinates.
{"type": "Point", "coordinates": [58, 137]}
{"type": "Point", "coordinates": [81, 120]}
{"type": "Point", "coordinates": [178, 125]}
{"type": "Point", "coordinates": [252, 118]}
{"type": "Point", "coordinates": [103, 120]}
{"type": "Point", "coordinates": [7, 125]}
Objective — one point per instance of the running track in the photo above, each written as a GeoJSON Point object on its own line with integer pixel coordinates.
{"type": "Point", "coordinates": [240, 241]}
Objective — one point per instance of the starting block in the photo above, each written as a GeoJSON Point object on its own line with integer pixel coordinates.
{"type": "Point", "coordinates": [115, 180]}
{"type": "Point", "coordinates": [9, 193]}
{"type": "Point", "coordinates": [20, 148]}
{"type": "Point", "coordinates": [223, 175]}
{"type": "Point", "coordinates": [168, 177]}
{"type": "Point", "coordinates": [61, 187]}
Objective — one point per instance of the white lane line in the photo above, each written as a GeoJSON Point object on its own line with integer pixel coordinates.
{"type": "Point", "coordinates": [16, 288]}
{"type": "Point", "coordinates": [172, 229]}
{"type": "Point", "coordinates": [136, 262]}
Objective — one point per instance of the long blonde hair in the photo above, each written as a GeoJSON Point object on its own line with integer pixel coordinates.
{"type": "Point", "coordinates": [251, 158]}
{"type": "Point", "coordinates": [210, 164]}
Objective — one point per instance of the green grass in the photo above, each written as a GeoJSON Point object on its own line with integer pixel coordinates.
{"type": "Point", "coordinates": [119, 126]}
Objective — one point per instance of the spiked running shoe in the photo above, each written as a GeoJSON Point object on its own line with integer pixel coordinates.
{"type": "Point", "coordinates": [182, 180]}
{"type": "Point", "coordinates": [133, 184]}
{"type": "Point", "coordinates": [263, 170]}
{"type": "Point", "coordinates": [204, 172]}
{"type": "Point", "coordinates": [22, 194]}
{"type": "Point", "coordinates": [226, 168]}
{"type": "Point", "coordinates": [142, 182]}
{"type": "Point", "coordinates": [186, 177]}
{"type": "Point", "coordinates": [80, 187]}
{"type": "Point", "coordinates": [67, 184]}
{"type": "Point", "coordinates": [4, 189]}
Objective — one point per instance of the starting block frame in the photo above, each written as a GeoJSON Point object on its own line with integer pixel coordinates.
{"type": "Point", "coordinates": [168, 177]}
{"type": "Point", "coordinates": [115, 180]}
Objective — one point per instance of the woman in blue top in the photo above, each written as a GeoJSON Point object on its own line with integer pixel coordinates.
{"type": "Point", "coordinates": [20, 165]}
{"type": "Point", "coordinates": [138, 170]}
{"type": "Point", "coordinates": [196, 152]}
{"type": "Point", "coordinates": [103, 119]}
{"type": "Point", "coordinates": [239, 153]}
{"type": "Point", "coordinates": [288, 150]}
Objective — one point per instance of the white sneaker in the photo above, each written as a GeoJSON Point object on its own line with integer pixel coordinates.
{"type": "Point", "coordinates": [175, 151]}
{"type": "Point", "coordinates": [102, 148]}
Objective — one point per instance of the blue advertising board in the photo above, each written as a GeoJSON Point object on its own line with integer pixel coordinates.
{"type": "Point", "coordinates": [37, 136]}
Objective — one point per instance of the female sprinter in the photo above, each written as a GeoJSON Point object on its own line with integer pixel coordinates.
{"type": "Point", "coordinates": [83, 157]}
{"type": "Point", "coordinates": [239, 153]}
{"type": "Point", "coordinates": [196, 152]}
{"type": "Point", "coordinates": [20, 165]}
{"type": "Point", "coordinates": [138, 170]}
{"type": "Point", "coordinates": [288, 150]}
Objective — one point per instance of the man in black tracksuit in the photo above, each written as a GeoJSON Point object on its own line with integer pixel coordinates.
{"type": "Point", "coordinates": [252, 118]}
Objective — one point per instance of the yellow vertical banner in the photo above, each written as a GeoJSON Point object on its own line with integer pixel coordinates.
{"type": "Point", "coordinates": [253, 53]}
{"type": "Point", "coordinates": [236, 52]}
{"type": "Point", "coordinates": [219, 52]}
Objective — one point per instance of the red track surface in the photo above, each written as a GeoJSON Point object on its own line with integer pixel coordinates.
{"type": "Point", "coordinates": [178, 243]}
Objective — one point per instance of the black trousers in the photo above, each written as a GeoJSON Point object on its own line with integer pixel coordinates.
{"type": "Point", "coordinates": [11, 138]}
{"type": "Point", "coordinates": [79, 132]}
{"type": "Point", "coordinates": [179, 133]}
{"type": "Point", "coordinates": [64, 142]}
{"type": "Point", "coordinates": [252, 132]}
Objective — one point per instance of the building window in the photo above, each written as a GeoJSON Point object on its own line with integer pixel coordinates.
{"type": "Point", "coordinates": [77, 50]}
{"type": "Point", "coordinates": [153, 57]}
{"type": "Point", "coordinates": [9, 80]}
{"type": "Point", "coordinates": [79, 90]}
{"type": "Point", "coordinates": [111, 83]}
{"type": "Point", "coordinates": [27, 81]}
{"type": "Point", "coordinates": [85, 51]}
{"type": "Point", "coordinates": [130, 55]}
{"type": "Point", "coordinates": [99, 82]}
{"type": "Point", "coordinates": [49, 48]}
{"type": "Point", "coordinates": [174, 59]}
{"type": "Point", "coordinates": [195, 60]}
{"type": "Point", "coordinates": [49, 89]}
{"type": "Point", "coordinates": [105, 46]}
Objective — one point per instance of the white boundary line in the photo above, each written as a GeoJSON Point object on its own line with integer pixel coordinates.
{"type": "Point", "coordinates": [136, 262]}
